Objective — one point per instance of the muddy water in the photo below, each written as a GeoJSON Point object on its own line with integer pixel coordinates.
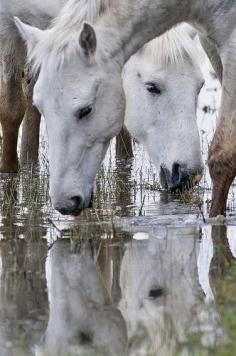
{"type": "Point", "coordinates": [139, 274]}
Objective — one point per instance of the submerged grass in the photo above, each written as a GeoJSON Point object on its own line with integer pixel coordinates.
{"type": "Point", "coordinates": [121, 190]}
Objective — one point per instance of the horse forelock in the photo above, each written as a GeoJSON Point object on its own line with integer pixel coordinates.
{"type": "Point", "coordinates": [61, 40]}
{"type": "Point", "coordinates": [173, 47]}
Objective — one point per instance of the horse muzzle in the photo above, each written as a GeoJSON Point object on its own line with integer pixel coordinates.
{"type": "Point", "coordinates": [180, 178]}
{"type": "Point", "coordinates": [74, 205]}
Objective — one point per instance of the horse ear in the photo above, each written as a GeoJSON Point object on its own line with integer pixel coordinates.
{"type": "Point", "coordinates": [88, 40]}
{"type": "Point", "coordinates": [31, 35]}
{"type": "Point", "coordinates": [191, 31]}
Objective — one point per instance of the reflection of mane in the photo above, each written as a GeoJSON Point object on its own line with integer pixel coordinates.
{"type": "Point", "coordinates": [62, 40]}
{"type": "Point", "coordinates": [173, 47]}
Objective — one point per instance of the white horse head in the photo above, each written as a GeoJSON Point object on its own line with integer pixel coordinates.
{"type": "Point", "coordinates": [72, 92]}
{"type": "Point", "coordinates": [159, 281]}
{"type": "Point", "coordinates": [162, 82]}
{"type": "Point", "coordinates": [82, 320]}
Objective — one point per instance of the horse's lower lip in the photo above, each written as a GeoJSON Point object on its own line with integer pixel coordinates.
{"type": "Point", "coordinates": [62, 211]}
{"type": "Point", "coordinates": [76, 212]}
{"type": "Point", "coordinates": [187, 184]}
{"type": "Point", "coordinates": [70, 212]}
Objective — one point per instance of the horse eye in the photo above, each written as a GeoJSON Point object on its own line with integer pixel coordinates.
{"type": "Point", "coordinates": [84, 112]}
{"type": "Point", "coordinates": [156, 292]}
{"type": "Point", "coordinates": [153, 88]}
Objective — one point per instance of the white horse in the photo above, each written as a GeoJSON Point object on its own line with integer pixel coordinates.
{"type": "Point", "coordinates": [166, 292]}
{"type": "Point", "coordinates": [162, 82]}
{"type": "Point", "coordinates": [80, 71]}
{"type": "Point", "coordinates": [82, 320]}
{"type": "Point", "coordinates": [178, 56]}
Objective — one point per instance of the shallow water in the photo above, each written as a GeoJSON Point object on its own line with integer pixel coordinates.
{"type": "Point", "coordinates": [139, 287]}
{"type": "Point", "coordinates": [139, 274]}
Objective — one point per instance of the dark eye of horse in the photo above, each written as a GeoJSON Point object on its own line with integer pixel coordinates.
{"type": "Point", "coordinates": [155, 293]}
{"type": "Point", "coordinates": [153, 88]}
{"type": "Point", "coordinates": [84, 112]}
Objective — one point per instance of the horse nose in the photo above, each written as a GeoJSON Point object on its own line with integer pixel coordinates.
{"type": "Point", "coordinates": [73, 206]}
{"type": "Point", "coordinates": [77, 203]}
{"type": "Point", "coordinates": [180, 177]}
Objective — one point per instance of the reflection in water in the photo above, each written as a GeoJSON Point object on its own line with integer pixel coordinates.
{"type": "Point", "coordinates": [82, 320]}
{"type": "Point", "coordinates": [162, 301]}
{"type": "Point", "coordinates": [22, 207]}
{"type": "Point", "coordinates": [9, 190]}
{"type": "Point", "coordinates": [115, 296]}
{"type": "Point", "coordinates": [222, 256]}
{"type": "Point", "coordinates": [23, 296]}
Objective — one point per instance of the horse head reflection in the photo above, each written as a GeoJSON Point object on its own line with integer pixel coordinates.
{"type": "Point", "coordinates": [166, 292]}
{"type": "Point", "coordinates": [139, 297]}
{"type": "Point", "coordinates": [82, 319]}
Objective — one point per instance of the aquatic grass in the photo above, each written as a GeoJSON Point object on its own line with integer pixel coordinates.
{"type": "Point", "coordinates": [123, 188]}
{"type": "Point", "coordinates": [25, 195]}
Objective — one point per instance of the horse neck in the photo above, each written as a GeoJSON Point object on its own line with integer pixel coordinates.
{"type": "Point", "coordinates": [128, 25]}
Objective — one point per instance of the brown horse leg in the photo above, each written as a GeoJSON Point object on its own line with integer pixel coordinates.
{"type": "Point", "coordinates": [222, 164]}
{"type": "Point", "coordinates": [12, 109]}
{"type": "Point", "coordinates": [222, 153]}
{"type": "Point", "coordinates": [31, 124]}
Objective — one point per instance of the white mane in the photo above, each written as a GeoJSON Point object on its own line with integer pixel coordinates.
{"type": "Point", "coordinates": [61, 41]}
{"type": "Point", "coordinates": [173, 47]}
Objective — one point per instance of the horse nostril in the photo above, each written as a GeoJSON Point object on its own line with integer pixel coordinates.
{"type": "Point", "coordinates": [62, 211]}
{"type": "Point", "coordinates": [77, 201]}
{"type": "Point", "coordinates": [176, 173]}
{"type": "Point", "coordinates": [180, 177]}
{"type": "Point", "coordinates": [165, 177]}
